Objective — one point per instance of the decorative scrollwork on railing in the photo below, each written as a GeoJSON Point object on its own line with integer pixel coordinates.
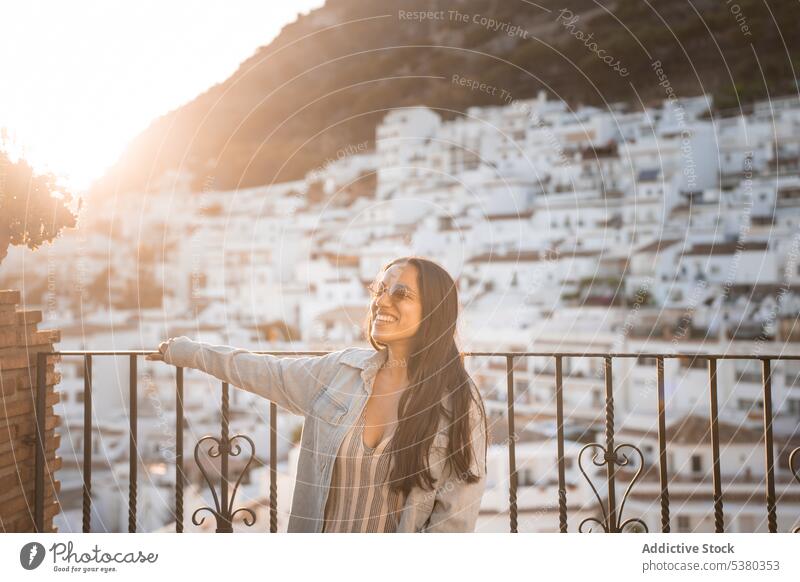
{"type": "Point", "coordinates": [224, 515]}
{"type": "Point", "coordinates": [620, 460]}
{"type": "Point", "coordinates": [794, 459]}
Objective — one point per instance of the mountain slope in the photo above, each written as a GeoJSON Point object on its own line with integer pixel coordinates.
{"type": "Point", "coordinates": [329, 77]}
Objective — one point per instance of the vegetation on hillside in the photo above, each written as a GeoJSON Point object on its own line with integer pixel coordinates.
{"type": "Point", "coordinates": [328, 78]}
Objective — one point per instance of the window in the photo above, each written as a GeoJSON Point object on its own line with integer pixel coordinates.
{"type": "Point", "coordinates": [746, 404]}
{"type": "Point", "coordinates": [520, 387]}
{"type": "Point", "coordinates": [684, 524]}
{"type": "Point", "coordinates": [747, 524]}
{"type": "Point", "coordinates": [749, 373]}
{"type": "Point", "coordinates": [697, 464]}
{"type": "Point", "coordinates": [696, 363]}
{"type": "Point", "coordinates": [526, 478]}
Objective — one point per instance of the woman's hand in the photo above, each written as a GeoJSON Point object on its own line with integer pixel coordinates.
{"type": "Point", "coordinates": [159, 355]}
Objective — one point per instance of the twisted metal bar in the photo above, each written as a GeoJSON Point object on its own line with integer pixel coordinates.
{"type": "Point", "coordinates": [512, 492]}
{"type": "Point", "coordinates": [662, 448]}
{"type": "Point", "coordinates": [273, 468]}
{"type": "Point", "coordinates": [719, 524]}
{"type": "Point", "coordinates": [87, 443]}
{"type": "Point", "coordinates": [562, 491]}
{"type": "Point", "coordinates": [133, 446]}
{"type": "Point", "coordinates": [179, 475]}
{"type": "Point", "coordinates": [612, 503]}
{"type": "Point", "coordinates": [224, 525]}
{"type": "Point", "coordinates": [772, 516]}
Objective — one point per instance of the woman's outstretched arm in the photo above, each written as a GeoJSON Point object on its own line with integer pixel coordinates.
{"type": "Point", "coordinates": [290, 382]}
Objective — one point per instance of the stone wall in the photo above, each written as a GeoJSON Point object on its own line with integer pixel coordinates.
{"type": "Point", "coordinates": [20, 341]}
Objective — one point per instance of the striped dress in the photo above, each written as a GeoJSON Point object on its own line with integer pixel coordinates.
{"type": "Point", "coordinates": [359, 500]}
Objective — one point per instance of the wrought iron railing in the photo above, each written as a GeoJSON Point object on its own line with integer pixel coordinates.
{"type": "Point", "coordinates": [610, 454]}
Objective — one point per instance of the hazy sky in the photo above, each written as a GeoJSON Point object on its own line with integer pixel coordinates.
{"type": "Point", "coordinates": [81, 78]}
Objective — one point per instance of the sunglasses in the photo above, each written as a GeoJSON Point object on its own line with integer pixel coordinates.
{"type": "Point", "coordinates": [397, 292]}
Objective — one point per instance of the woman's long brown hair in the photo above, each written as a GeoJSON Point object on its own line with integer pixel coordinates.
{"type": "Point", "coordinates": [435, 372]}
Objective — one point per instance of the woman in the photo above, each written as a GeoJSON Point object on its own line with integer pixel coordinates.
{"type": "Point", "coordinates": [394, 438]}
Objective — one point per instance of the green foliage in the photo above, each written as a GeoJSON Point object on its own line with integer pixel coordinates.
{"type": "Point", "coordinates": [30, 214]}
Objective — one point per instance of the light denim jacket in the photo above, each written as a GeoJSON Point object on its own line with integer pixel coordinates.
{"type": "Point", "coordinates": [331, 391]}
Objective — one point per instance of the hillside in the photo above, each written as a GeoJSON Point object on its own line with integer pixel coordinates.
{"type": "Point", "coordinates": [329, 77]}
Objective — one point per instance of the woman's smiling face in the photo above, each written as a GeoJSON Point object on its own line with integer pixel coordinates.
{"type": "Point", "coordinates": [397, 312]}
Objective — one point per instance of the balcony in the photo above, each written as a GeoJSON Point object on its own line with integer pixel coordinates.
{"type": "Point", "coordinates": [621, 461]}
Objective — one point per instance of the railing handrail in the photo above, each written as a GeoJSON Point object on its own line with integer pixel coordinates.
{"type": "Point", "coordinates": [666, 355]}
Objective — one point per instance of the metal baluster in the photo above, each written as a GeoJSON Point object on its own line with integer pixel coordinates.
{"type": "Point", "coordinates": [224, 517]}
{"type": "Point", "coordinates": [87, 442]}
{"type": "Point", "coordinates": [179, 475]}
{"type": "Point", "coordinates": [610, 455]}
{"type": "Point", "coordinates": [719, 525]}
{"type": "Point", "coordinates": [772, 517]}
{"type": "Point", "coordinates": [273, 467]}
{"type": "Point", "coordinates": [132, 447]}
{"type": "Point", "coordinates": [662, 448]}
{"type": "Point", "coordinates": [562, 489]}
{"type": "Point", "coordinates": [512, 455]}
{"type": "Point", "coordinates": [223, 504]}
